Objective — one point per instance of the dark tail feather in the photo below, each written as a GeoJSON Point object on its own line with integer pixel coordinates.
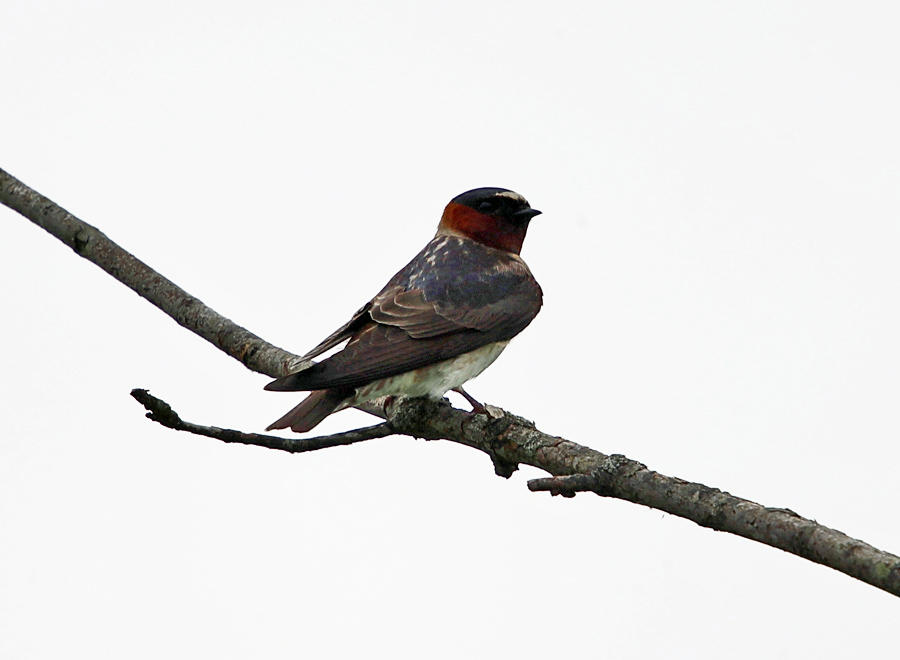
{"type": "Point", "coordinates": [312, 410]}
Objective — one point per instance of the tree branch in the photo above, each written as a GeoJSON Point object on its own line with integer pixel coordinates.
{"type": "Point", "coordinates": [625, 479]}
{"type": "Point", "coordinates": [509, 440]}
{"type": "Point", "coordinates": [161, 412]}
{"type": "Point", "coordinates": [89, 242]}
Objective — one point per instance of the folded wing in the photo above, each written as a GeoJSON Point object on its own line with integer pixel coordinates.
{"type": "Point", "coordinates": [425, 315]}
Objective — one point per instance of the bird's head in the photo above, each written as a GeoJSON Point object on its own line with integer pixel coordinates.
{"type": "Point", "coordinates": [495, 217]}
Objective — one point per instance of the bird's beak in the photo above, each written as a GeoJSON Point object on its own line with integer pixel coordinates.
{"type": "Point", "coordinates": [525, 214]}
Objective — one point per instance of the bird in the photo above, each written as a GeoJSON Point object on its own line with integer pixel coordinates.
{"type": "Point", "coordinates": [439, 321]}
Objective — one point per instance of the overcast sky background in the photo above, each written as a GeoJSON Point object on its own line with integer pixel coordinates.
{"type": "Point", "coordinates": [719, 255]}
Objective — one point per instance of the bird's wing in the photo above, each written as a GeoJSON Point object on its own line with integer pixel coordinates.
{"type": "Point", "coordinates": [379, 350]}
{"type": "Point", "coordinates": [423, 316]}
{"type": "Point", "coordinates": [420, 318]}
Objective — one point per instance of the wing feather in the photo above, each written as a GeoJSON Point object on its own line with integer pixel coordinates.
{"type": "Point", "coordinates": [434, 309]}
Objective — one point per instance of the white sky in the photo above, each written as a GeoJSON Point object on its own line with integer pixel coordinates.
{"type": "Point", "coordinates": [718, 252]}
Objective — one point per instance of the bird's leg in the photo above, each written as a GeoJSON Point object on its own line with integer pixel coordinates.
{"type": "Point", "coordinates": [477, 407]}
{"type": "Point", "coordinates": [386, 403]}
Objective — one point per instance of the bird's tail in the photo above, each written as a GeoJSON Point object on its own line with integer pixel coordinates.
{"type": "Point", "coordinates": [312, 410]}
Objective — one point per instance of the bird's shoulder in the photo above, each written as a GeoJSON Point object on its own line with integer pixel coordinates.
{"type": "Point", "coordinates": [455, 283]}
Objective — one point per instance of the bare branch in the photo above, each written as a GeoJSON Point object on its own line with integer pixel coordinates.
{"type": "Point", "coordinates": [161, 412]}
{"type": "Point", "coordinates": [509, 440]}
{"type": "Point", "coordinates": [781, 528]}
{"type": "Point", "coordinates": [92, 244]}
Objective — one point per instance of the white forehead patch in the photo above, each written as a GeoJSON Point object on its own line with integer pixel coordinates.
{"type": "Point", "coordinates": [511, 195]}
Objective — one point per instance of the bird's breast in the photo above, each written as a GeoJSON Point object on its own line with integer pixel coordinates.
{"type": "Point", "coordinates": [433, 380]}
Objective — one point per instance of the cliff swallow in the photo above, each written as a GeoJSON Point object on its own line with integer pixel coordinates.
{"type": "Point", "coordinates": [440, 321]}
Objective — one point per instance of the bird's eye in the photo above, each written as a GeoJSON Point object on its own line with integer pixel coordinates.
{"type": "Point", "coordinates": [486, 207]}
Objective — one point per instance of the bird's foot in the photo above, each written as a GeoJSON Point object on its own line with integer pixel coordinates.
{"type": "Point", "coordinates": [478, 408]}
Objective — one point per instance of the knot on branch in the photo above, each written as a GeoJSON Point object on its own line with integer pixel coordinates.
{"type": "Point", "coordinates": [499, 431]}
{"type": "Point", "coordinates": [438, 420]}
{"type": "Point", "coordinates": [80, 241]}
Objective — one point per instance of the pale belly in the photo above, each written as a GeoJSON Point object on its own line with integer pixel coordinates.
{"type": "Point", "coordinates": [435, 379]}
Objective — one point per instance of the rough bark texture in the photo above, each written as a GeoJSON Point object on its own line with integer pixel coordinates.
{"type": "Point", "coordinates": [509, 440]}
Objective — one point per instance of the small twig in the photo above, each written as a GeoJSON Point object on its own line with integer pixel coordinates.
{"type": "Point", "coordinates": [566, 486]}
{"type": "Point", "coordinates": [161, 412]}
